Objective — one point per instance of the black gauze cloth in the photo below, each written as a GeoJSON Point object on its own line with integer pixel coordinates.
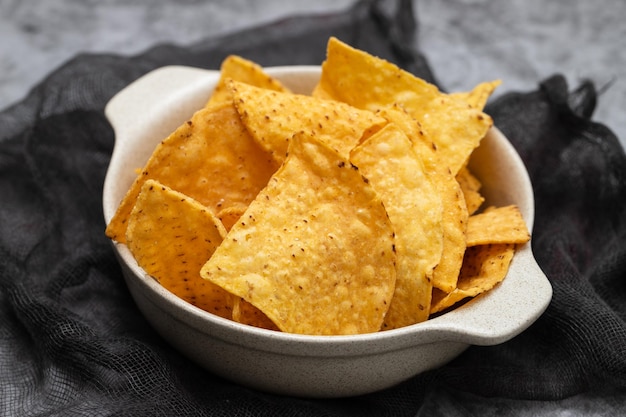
{"type": "Point", "coordinates": [73, 343]}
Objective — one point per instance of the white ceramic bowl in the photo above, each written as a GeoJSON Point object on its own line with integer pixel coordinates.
{"type": "Point", "coordinates": [313, 366]}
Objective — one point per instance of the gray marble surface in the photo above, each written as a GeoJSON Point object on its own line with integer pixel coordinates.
{"type": "Point", "coordinates": [466, 41]}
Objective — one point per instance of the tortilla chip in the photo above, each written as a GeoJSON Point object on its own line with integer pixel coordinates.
{"type": "Point", "coordinates": [210, 158]}
{"type": "Point", "coordinates": [454, 209]}
{"type": "Point", "coordinates": [273, 117]}
{"type": "Point", "coordinates": [171, 236]}
{"type": "Point", "coordinates": [483, 268]}
{"type": "Point", "coordinates": [240, 69]}
{"type": "Point", "coordinates": [368, 82]}
{"type": "Point", "coordinates": [315, 249]}
{"type": "Point", "coordinates": [477, 98]}
{"type": "Point", "coordinates": [388, 161]}
{"type": "Point", "coordinates": [454, 224]}
{"type": "Point", "coordinates": [497, 225]}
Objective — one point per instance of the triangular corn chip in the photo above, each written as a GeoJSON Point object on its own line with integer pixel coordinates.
{"type": "Point", "coordinates": [395, 171]}
{"type": "Point", "coordinates": [483, 268]}
{"type": "Point", "coordinates": [273, 117]}
{"type": "Point", "coordinates": [315, 249]}
{"type": "Point", "coordinates": [497, 225]}
{"type": "Point", "coordinates": [171, 236]}
{"type": "Point", "coordinates": [362, 80]}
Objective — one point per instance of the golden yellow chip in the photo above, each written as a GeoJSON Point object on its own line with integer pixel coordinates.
{"type": "Point", "coordinates": [368, 82]}
{"type": "Point", "coordinates": [365, 81]}
{"type": "Point", "coordinates": [315, 249]}
{"type": "Point", "coordinates": [388, 161]}
{"type": "Point", "coordinates": [273, 117]}
{"type": "Point", "coordinates": [483, 268]}
{"type": "Point", "coordinates": [470, 185]}
{"type": "Point", "coordinates": [243, 70]}
{"type": "Point", "coordinates": [454, 208]}
{"type": "Point", "coordinates": [497, 225]}
{"type": "Point", "coordinates": [211, 158]}
{"type": "Point", "coordinates": [454, 222]}
{"type": "Point", "coordinates": [171, 236]}
{"type": "Point", "coordinates": [477, 98]}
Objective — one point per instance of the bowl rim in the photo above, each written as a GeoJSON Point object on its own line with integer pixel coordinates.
{"type": "Point", "coordinates": [465, 324]}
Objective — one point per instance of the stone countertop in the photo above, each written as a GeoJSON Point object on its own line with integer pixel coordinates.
{"type": "Point", "coordinates": [521, 42]}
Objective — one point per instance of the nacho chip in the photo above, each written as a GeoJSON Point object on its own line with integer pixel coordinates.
{"type": "Point", "coordinates": [477, 98]}
{"type": "Point", "coordinates": [240, 69]}
{"type": "Point", "coordinates": [470, 185]}
{"type": "Point", "coordinates": [483, 268]}
{"type": "Point", "coordinates": [315, 249]}
{"type": "Point", "coordinates": [362, 80]}
{"type": "Point", "coordinates": [171, 236]}
{"type": "Point", "coordinates": [368, 82]}
{"type": "Point", "coordinates": [497, 225]}
{"type": "Point", "coordinates": [210, 158]}
{"type": "Point", "coordinates": [388, 161]}
{"type": "Point", "coordinates": [273, 117]}
{"type": "Point", "coordinates": [454, 222]}
{"type": "Point", "coordinates": [454, 210]}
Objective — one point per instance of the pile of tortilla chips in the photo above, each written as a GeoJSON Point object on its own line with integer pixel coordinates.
{"type": "Point", "coordinates": [349, 210]}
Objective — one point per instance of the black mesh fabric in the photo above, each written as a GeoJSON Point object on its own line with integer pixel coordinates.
{"type": "Point", "coordinates": [72, 342]}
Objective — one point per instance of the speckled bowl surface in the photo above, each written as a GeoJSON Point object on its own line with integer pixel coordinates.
{"type": "Point", "coordinates": [148, 110]}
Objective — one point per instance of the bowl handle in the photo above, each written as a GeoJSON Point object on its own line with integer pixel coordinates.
{"type": "Point", "coordinates": [521, 298]}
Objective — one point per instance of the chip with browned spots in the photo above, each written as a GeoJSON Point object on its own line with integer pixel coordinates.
{"type": "Point", "coordinates": [484, 267]}
{"type": "Point", "coordinates": [448, 192]}
{"type": "Point", "coordinates": [315, 249]}
{"type": "Point", "coordinates": [273, 117]}
{"type": "Point", "coordinates": [171, 236]}
{"type": "Point", "coordinates": [454, 222]}
{"type": "Point", "coordinates": [497, 225]}
{"type": "Point", "coordinates": [396, 172]}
